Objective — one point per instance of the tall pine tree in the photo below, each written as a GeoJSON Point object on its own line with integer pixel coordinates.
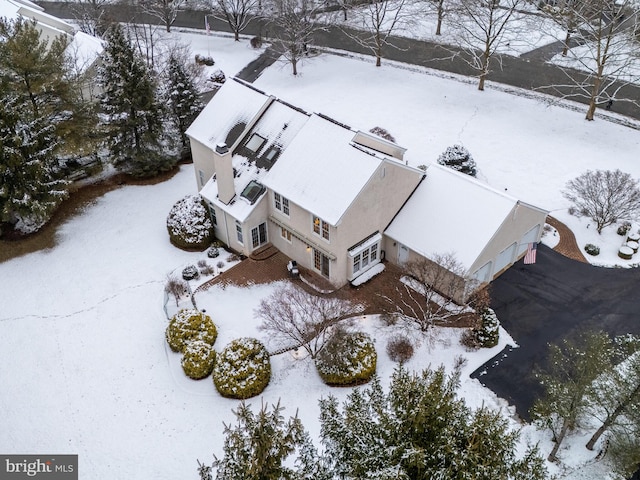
{"type": "Point", "coordinates": [134, 116]}
{"type": "Point", "coordinates": [182, 99]}
{"type": "Point", "coordinates": [38, 112]}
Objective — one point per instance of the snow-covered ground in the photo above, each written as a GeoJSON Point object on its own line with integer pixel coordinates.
{"type": "Point", "coordinates": [83, 363]}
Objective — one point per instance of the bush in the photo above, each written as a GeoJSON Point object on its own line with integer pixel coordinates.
{"type": "Point", "coordinates": [218, 77]}
{"type": "Point", "coordinates": [488, 334]}
{"type": "Point", "coordinates": [205, 268]}
{"type": "Point", "coordinates": [220, 264]}
{"type": "Point", "coordinates": [243, 369]}
{"type": "Point", "coordinates": [381, 132]}
{"type": "Point", "coordinates": [347, 359]}
{"type": "Point", "coordinates": [189, 224]}
{"type": "Point", "coordinates": [469, 339]}
{"type": "Point", "coordinates": [399, 349]}
{"type": "Point", "coordinates": [190, 272]}
{"type": "Point", "coordinates": [204, 60]}
{"type": "Point", "coordinates": [190, 325]}
{"type": "Point", "coordinates": [255, 42]}
{"type": "Point", "coordinates": [592, 249]}
{"type": "Point", "coordinates": [213, 252]}
{"type": "Point", "coordinates": [458, 158]}
{"type": "Point", "coordinates": [198, 359]}
{"type": "Point", "coordinates": [624, 228]}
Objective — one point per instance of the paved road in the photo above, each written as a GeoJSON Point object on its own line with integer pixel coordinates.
{"type": "Point", "coordinates": [542, 303]}
{"type": "Point", "coordinates": [528, 72]}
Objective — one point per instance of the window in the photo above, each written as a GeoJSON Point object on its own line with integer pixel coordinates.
{"type": "Point", "coordinates": [212, 212]}
{"type": "Point", "coordinates": [201, 178]}
{"type": "Point", "coordinates": [286, 234]}
{"type": "Point", "coordinates": [367, 256]}
{"type": "Point", "coordinates": [259, 235]}
{"type": "Point", "coordinates": [320, 227]}
{"type": "Point", "coordinates": [255, 143]}
{"type": "Point", "coordinates": [281, 203]}
{"type": "Point", "coordinates": [356, 263]}
{"type": "Point", "coordinates": [239, 232]}
{"type": "Point", "coordinates": [374, 252]}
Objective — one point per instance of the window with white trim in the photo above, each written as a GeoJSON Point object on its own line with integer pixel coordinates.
{"type": "Point", "coordinates": [239, 232]}
{"type": "Point", "coordinates": [286, 234]}
{"type": "Point", "coordinates": [281, 203]}
{"type": "Point", "coordinates": [321, 228]}
{"type": "Point", "coordinates": [366, 257]}
{"type": "Point", "coordinates": [212, 212]}
{"type": "Point", "coordinates": [201, 178]}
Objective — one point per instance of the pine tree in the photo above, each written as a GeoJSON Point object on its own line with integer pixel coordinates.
{"type": "Point", "coordinates": [133, 112]}
{"type": "Point", "coordinates": [458, 158]}
{"type": "Point", "coordinates": [182, 99]}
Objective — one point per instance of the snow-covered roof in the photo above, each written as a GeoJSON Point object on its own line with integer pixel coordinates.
{"type": "Point", "coordinates": [321, 170]}
{"type": "Point", "coordinates": [233, 105]}
{"type": "Point", "coordinates": [451, 212]}
{"type": "Point", "coordinates": [85, 49]}
{"type": "Point", "coordinates": [277, 125]}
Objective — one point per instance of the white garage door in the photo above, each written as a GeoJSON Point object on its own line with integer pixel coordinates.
{"type": "Point", "coordinates": [505, 257]}
{"type": "Point", "coordinates": [529, 237]}
{"type": "Point", "coordinates": [483, 274]}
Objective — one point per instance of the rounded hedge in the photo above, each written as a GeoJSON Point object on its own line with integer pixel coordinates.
{"type": "Point", "coordinates": [242, 369]}
{"type": "Point", "coordinates": [347, 359]}
{"type": "Point", "coordinates": [592, 249]}
{"type": "Point", "coordinates": [188, 326]}
{"type": "Point", "coordinates": [198, 359]}
{"type": "Point", "coordinates": [189, 224]}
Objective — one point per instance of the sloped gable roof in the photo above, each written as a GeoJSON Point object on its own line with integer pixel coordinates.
{"type": "Point", "coordinates": [451, 212]}
{"type": "Point", "coordinates": [321, 171]}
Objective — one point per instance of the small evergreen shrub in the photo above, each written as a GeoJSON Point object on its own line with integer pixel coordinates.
{"type": "Point", "coordinates": [381, 132]}
{"type": "Point", "coordinates": [488, 334]}
{"type": "Point", "coordinates": [255, 42]}
{"type": "Point", "coordinates": [399, 349]}
{"type": "Point", "coordinates": [213, 252]}
{"type": "Point", "coordinates": [347, 359]}
{"type": "Point", "coordinates": [204, 60]}
{"type": "Point", "coordinates": [624, 228]}
{"type": "Point", "coordinates": [189, 224]}
{"type": "Point", "coordinates": [242, 369]}
{"type": "Point", "coordinates": [218, 77]}
{"type": "Point", "coordinates": [592, 249]}
{"type": "Point", "coordinates": [190, 272]}
{"type": "Point", "coordinates": [190, 325]}
{"type": "Point", "coordinates": [458, 158]}
{"type": "Point", "coordinates": [198, 359]}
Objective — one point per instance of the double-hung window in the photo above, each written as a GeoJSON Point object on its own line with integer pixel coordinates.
{"type": "Point", "coordinates": [239, 232]}
{"type": "Point", "coordinates": [321, 228]}
{"type": "Point", "coordinates": [281, 203]}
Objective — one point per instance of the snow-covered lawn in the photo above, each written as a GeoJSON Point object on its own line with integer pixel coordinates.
{"type": "Point", "coordinates": [83, 363]}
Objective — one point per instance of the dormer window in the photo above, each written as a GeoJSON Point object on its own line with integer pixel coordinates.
{"type": "Point", "coordinates": [255, 143]}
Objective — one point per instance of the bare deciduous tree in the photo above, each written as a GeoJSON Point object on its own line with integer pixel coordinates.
{"type": "Point", "coordinates": [294, 23]}
{"type": "Point", "coordinates": [292, 316]}
{"type": "Point", "coordinates": [164, 10]}
{"type": "Point", "coordinates": [606, 60]}
{"type": "Point", "coordinates": [481, 28]}
{"type": "Point", "coordinates": [605, 196]}
{"type": "Point", "coordinates": [175, 287]}
{"type": "Point", "coordinates": [375, 22]}
{"type": "Point", "coordinates": [91, 16]}
{"type": "Point", "coordinates": [237, 13]}
{"type": "Point", "coordinates": [428, 291]}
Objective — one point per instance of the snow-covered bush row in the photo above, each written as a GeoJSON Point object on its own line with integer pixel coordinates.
{"type": "Point", "coordinates": [242, 369]}
{"type": "Point", "coordinates": [347, 359]}
{"type": "Point", "coordinates": [198, 359]}
{"type": "Point", "coordinates": [189, 224]}
{"type": "Point", "coordinates": [190, 325]}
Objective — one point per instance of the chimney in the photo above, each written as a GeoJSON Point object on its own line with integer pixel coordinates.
{"type": "Point", "coordinates": [224, 173]}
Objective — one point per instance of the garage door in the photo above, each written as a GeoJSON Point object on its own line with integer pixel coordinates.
{"type": "Point", "coordinates": [529, 237]}
{"type": "Point", "coordinates": [505, 257]}
{"type": "Point", "coordinates": [483, 274]}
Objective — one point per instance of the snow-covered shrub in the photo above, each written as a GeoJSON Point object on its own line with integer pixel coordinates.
{"type": "Point", "coordinates": [624, 228]}
{"type": "Point", "coordinates": [220, 264]}
{"type": "Point", "coordinates": [218, 77]}
{"type": "Point", "coordinates": [592, 249]}
{"type": "Point", "coordinates": [204, 60]}
{"type": "Point", "coordinates": [198, 359]}
{"type": "Point", "coordinates": [255, 42]}
{"type": "Point", "coordinates": [399, 348]}
{"type": "Point", "coordinates": [176, 287]}
{"type": "Point", "coordinates": [488, 334]}
{"type": "Point", "coordinates": [189, 224]}
{"type": "Point", "coordinates": [242, 369]}
{"type": "Point", "coordinates": [190, 272]}
{"type": "Point", "coordinates": [458, 158]}
{"type": "Point", "coordinates": [213, 252]}
{"type": "Point", "coordinates": [381, 132]}
{"type": "Point", "coordinates": [205, 268]}
{"type": "Point", "coordinates": [347, 359]}
{"type": "Point", "coordinates": [188, 326]}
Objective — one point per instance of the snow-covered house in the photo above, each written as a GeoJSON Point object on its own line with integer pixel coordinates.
{"type": "Point", "coordinates": [338, 200]}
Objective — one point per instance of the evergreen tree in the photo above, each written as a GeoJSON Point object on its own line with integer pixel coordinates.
{"type": "Point", "coordinates": [133, 112]}
{"type": "Point", "coordinates": [258, 446]}
{"type": "Point", "coordinates": [182, 98]}
{"type": "Point", "coordinates": [458, 158]}
{"type": "Point", "coordinates": [420, 430]}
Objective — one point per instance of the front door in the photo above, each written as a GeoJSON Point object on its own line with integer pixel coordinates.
{"type": "Point", "coordinates": [403, 253]}
{"type": "Point", "coordinates": [321, 262]}
{"type": "Point", "coordinates": [259, 235]}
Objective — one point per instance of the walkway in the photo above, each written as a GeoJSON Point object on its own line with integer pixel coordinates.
{"type": "Point", "coordinates": [567, 245]}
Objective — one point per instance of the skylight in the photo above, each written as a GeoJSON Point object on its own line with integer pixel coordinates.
{"type": "Point", "coordinates": [255, 143]}
{"type": "Point", "coordinates": [253, 191]}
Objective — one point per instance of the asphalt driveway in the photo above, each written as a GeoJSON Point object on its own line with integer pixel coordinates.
{"type": "Point", "coordinates": [545, 302]}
